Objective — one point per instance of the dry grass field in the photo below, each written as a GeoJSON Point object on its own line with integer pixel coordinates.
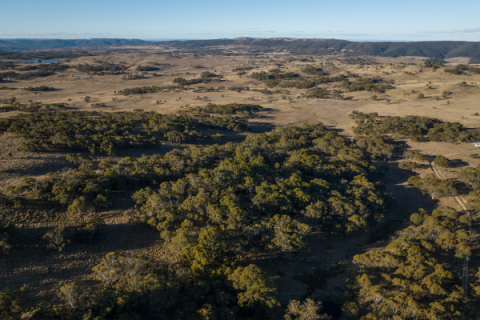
{"type": "Point", "coordinates": [45, 271]}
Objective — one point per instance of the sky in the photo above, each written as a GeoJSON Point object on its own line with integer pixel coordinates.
{"type": "Point", "coordinates": [367, 20]}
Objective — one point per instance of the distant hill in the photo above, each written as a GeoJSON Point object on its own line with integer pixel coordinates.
{"type": "Point", "coordinates": [430, 49]}
{"type": "Point", "coordinates": [30, 45]}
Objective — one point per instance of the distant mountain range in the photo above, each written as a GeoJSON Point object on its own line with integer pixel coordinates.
{"type": "Point", "coordinates": [430, 49]}
{"type": "Point", "coordinates": [45, 44]}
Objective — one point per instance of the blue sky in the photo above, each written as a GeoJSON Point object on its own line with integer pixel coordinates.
{"type": "Point", "coordinates": [145, 19]}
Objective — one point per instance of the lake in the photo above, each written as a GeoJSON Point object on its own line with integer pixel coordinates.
{"type": "Point", "coordinates": [37, 61]}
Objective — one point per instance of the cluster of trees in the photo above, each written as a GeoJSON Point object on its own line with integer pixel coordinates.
{"type": "Point", "coordinates": [433, 64]}
{"type": "Point", "coordinates": [50, 67]}
{"type": "Point", "coordinates": [134, 76]}
{"type": "Point", "coordinates": [277, 78]}
{"type": "Point", "coordinates": [416, 128]}
{"type": "Point", "coordinates": [99, 133]}
{"type": "Point", "coordinates": [11, 75]}
{"type": "Point", "coordinates": [142, 90]}
{"type": "Point", "coordinates": [59, 238]}
{"type": "Point", "coordinates": [135, 287]}
{"type": "Point", "coordinates": [405, 280]}
{"type": "Point", "coordinates": [5, 65]}
{"type": "Point", "coordinates": [312, 70]}
{"type": "Point", "coordinates": [462, 69]}
{"type": "Point", "coordinates": [471, 177]}
{"type": "Point", "coordinates": [105, 133]}
{"type": "Point", "coordinates": [267, 195]}
{"type": "Point", "coordinates": [433, 186]}
{"type": "Point", "coordinates": [147, 68]}
{"type": "Point", "coordinates": [39, 88]}
{"type": "Point", "coordinates": [245, 68]}
{"type": "Point", "coordinates": [264, 194]}
{"type": "Point", "coordinates": [376, 84]}
{"type": "Point", "coordinates": [322, 93]}
{"type": "Point", "coordinates": [239, 88]}
{"type": "Point", "coordinates": [205, 77]}
{"type": "Point", "coordinates": [274, 74]}
{"type": "Point", "coordinates": [34, 107]}
{"type": "Point", "coordinates": [228, 109]}
{"type": "Point", "coordinates": [101, 68]}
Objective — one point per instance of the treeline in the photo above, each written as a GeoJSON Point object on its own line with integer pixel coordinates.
{"type": "Point", "coordinates": [34, 107]}
{"type": "Point", "coordinates": [274, 74]}
{"type": "Point", "coordinates": [140, 90]}
{"type": "Point", "coordinates": [147, 68]}
{"type": "Point", "coordinates": [462, 69]}
{"type": "Point", "coordinates": [205, 77]}
{"type": "Point", "coordinates": [11, 75]}
{"type": "Point", "coordinates": [39, 88]}
{"type": "Point", "coordinates": [46, 67]}
{"type": "Point", "coordinates": [228, 109]}
{"type": "Point", "coordinates": [152, 89]}
{"type": "Point", "coordinates": [105, 133]}
{"type": "Point", "coordinates": [322, 93]}
{"type": "Point", "coordinates": [134, 76]}
{"type": "Point", "coordinates": [109, 68]}
{"type": "Point", "coordinates": [376, 84]}
{"type": "Point", "coordinates": [277, 78]}
{"type": "Point", "coordinates": [435, 64]}
{"type": "Point", "coordinates": [416, 128]}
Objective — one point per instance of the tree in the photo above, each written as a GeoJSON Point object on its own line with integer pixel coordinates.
{"type": "Point", "coordinates": [6, 239]}
{"type": "Point", "coordinates": [435, 187]}
{"type": "Point", "coordinates": [474, 201]}
{"type": "Point", "coordinates": [471, 177]}
{"type": "Point", "coordinates": [290, 235]}
{"type": "Point", "coordinates": [57, 238]}
{"type": "Point", "coordinates": [12, 303]}
{"type": "Point", "coordinates": [441, 161]}
{"type": "Point", "coordinates": [350, 310]}
{"type": "Point", "coordinates": [69, 293]}
{"type": "Point", "coordinates": [307, 311]}
{"type": "Point", "coordinates": [476, 287]}
{"type": "Point", "coordinates": [254, 286]}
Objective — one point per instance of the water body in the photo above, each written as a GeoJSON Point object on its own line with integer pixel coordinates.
{"type": "Point", "coordinates": [39, 61]}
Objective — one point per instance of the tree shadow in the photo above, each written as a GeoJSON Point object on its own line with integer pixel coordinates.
{"type": "Point", "coordinates": [458, 163]}
{"type": "Point", "coordinates": [462, 188]}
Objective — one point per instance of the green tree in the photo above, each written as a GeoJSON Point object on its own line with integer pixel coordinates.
{"type": "Point", "coordinates": [57, 238]}
{"type": "Point", "coordinates": [471, 177]}
{"type": "Point", "coordinates": [309, 310]}
{"type": "Point", "coordinates": [289, 235]}
{"type": "Point", "coordinates": [69, 293]}
{"type": "Point", "coordinates": [441, 161]}
{"type": "Point", "coordinates": [350, 310]}
{"type": "Point", "coordinates": [254, 286]}
{"type": "Point", "coordinates": [12, 303]}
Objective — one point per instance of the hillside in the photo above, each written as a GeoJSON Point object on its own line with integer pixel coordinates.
{"type": "Point", "coordinates": [429, 49]}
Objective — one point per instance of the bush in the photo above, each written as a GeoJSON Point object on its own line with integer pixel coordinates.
{"type": "Point", "coordinates": [441, 161]}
